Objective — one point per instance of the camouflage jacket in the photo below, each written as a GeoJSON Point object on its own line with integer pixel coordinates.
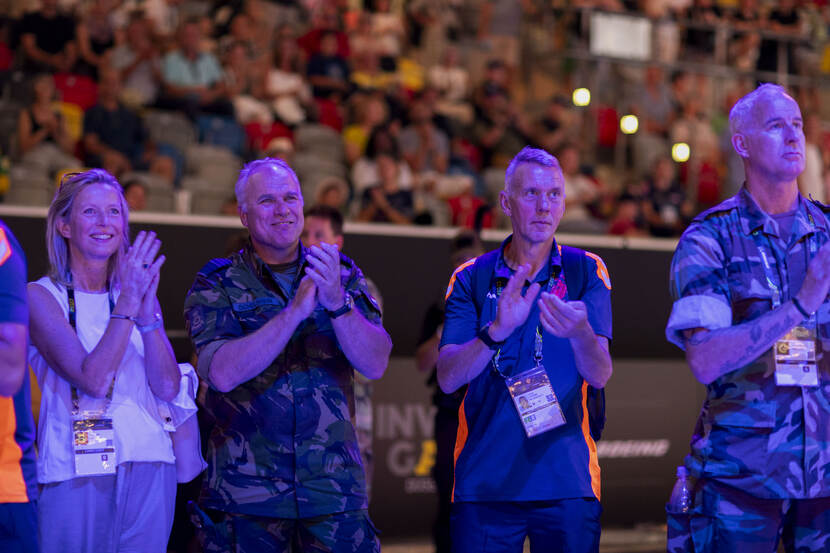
{"type": "Point", "coordinates": [282, 444]}
{"type": "Point", "coordinates": [771, 441]}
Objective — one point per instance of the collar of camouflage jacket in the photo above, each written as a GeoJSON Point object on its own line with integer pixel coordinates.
{"type": "Point", "coordinates": [808, 219]}
{"type": "Point", "coordinates": [260, 268]}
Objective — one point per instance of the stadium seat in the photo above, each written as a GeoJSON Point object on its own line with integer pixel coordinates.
{"type": "Point", "coordinates": [73, 115]}
{"type": "Point", "coordinates": [328, 113]}
{"type": "Point", "coordinates": [79, 90]}
{"type": "Point", "coordinates": [308, 162]}
{"type": "Point", "coordinates": [207, 199]}
{"type": "Point", "coordinates": [259, 134]}
{"type": "Point", "coordinates": [493, 182]}
{"type": "Point", "coordinates": [215, 165]}
{"type": "Point", "coordinates": [17, 89]}
{"type": "Point", "coordinates": [170, 127]}
{"type": "Point", "coordinates": [9, 114]}
{"type": "Point", "coordinates": [29, 187]}
{"type": "Point", "coordinates": [159, 190]}
{"type": "Point", "coordinates": [320, 139]}
{"type": "Point", "coordinates": [221, 131]}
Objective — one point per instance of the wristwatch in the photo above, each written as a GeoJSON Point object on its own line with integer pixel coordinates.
{"type": "Point", "coordinates": [348, 302]}
{"type": "Point", "coordinates": [484, 336]}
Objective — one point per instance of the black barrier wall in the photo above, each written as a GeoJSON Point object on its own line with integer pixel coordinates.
{"type": "Point", "coordinates": [411, 268]}
{"type": "Point", "coordinates": [651, 407]}
{"type": "Point", "coordinates": [652, 399]}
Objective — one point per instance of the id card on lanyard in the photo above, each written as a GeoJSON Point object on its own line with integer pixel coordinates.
{"type": "Point", "coordinates": [531, 391]}
{"type": "Point", "coordinates": [93, 440]}
{"type": "Point", "coordinates": [795, 353]}
{"type": "Point", "coordinates": [93, 434]}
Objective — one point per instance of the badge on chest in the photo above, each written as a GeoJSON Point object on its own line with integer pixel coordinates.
{"type": "Point", "coordinates": [795, 357]}
{"type": "Point", "coordinates": [535, 401]}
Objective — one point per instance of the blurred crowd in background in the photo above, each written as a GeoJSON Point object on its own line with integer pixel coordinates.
{"type": "Point", "coordinates": [402, 112]}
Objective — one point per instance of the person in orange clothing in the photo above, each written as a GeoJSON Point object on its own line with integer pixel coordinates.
{"type": "Point", "coordinates": [18, 479]}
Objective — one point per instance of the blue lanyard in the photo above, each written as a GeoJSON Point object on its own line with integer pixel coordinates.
{"type": "Point", "coordinates": [768, 273]}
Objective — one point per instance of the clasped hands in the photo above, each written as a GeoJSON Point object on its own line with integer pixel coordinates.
{"type": "Point", "coordinates": [321, 281]}
{"type": "Point", "coordinates": [565, 319]}
{"type": "Point", "coordinates": [139, 273]}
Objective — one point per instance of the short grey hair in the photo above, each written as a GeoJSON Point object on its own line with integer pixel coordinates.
{"type": "Point", "coordinates": [741, 113]}
{"type": "Point", "coordinates": [531, 155]}
{"type": "Point", "coordinates": [241, 186]}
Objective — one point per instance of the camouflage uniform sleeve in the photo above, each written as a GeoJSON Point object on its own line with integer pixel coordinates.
{"type": "Point", "coordinates": [209, 319]}
{"type": "Point", "coordinates": [356, 286]}
{"type": "Point", "coordinates": [699, 283]}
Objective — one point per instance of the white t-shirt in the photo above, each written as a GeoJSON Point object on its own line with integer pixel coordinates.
{"type": "Point", "coordinates": [139, 434]}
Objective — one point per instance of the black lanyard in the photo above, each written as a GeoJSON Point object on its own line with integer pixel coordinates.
{"type": "Point", "coordinates": [537, 347]}
{"type": "Point", "coordinates": [70, 298]}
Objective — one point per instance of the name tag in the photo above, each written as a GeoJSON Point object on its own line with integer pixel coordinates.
{"type": "Point", "coordinates": [93, 444]}
{"type": "Point", "coordinates": [535, 401]}
{"type": "Point", "coordinates": [795, 358]}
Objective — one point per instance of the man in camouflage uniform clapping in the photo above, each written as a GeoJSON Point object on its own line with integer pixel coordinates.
{"type": "Point", "coordinates": [279, 330]}
{"type": "Point", "coordinates": [750, 279]}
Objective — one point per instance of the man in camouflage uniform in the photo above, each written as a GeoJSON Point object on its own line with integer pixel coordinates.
{"type": "Point", "coordinates": [279, 330]}
{"type": "Point", "coordinates": [750, 279]}
{"type": "Point", "coordinates": [324, 224]}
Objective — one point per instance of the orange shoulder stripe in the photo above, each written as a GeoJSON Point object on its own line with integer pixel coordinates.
{"type": "Point", "coordinates": [455, 273]}
{"type": "Point", "coordinates": [5, 246]}
{"type": "Point", "coordinates": [602, 270]}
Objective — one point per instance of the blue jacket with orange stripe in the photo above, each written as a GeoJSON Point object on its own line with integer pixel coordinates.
{"type": "Point", "coordinates": [494, 459]}
{"type": "Point", "coordinates": [18, 479]}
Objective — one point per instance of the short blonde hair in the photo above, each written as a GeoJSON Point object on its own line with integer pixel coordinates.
{"type": "Point", "coordinates": [60, 209]}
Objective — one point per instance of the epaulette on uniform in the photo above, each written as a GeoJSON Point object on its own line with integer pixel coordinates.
{"type": "Point", "coordinates": [346, 261]}
{"type": "Point", "coordinates": [824, 207]}
{"type": "Point", "coordinates": [725, 206]}
{"type": "Point", "coordinates": [214, 265]}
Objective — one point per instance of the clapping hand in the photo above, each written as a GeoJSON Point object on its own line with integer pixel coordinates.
{"type": "Point", "coordinates": [513, 307]}
{"type": "Point", "coordinates": [139, 273]}
{"type": "Point", "coordinates": [324, 271]}
{"type": "Point", "coordinates": [817, 282]}
{"type": "Point", "coordinates": [560, 318]}
{"type": "Point", "coordinates": [305, 298]}
{"type": "Point", "coordinates": [149, 303]}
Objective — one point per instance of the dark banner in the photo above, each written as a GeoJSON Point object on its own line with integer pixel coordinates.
{"type": "Point", "coordinates": [652, 406]}
{"type": "Point", "coordinates": [411, 270]}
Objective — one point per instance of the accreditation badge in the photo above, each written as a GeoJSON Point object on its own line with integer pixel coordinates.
{"type": "Point", "coordinates": [93, 444]}
{"type": "Point", "coordinates": [535, 401]}
{"type": "Point", "coordinates": [795, 358]}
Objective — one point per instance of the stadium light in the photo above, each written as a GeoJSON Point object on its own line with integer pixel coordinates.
{"type": "Point", "coordinates": [629, 124]}
{"type": "Point", "coordinates": [582, 97]}
{"type": "Point", "coordinates": [680, 152]}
